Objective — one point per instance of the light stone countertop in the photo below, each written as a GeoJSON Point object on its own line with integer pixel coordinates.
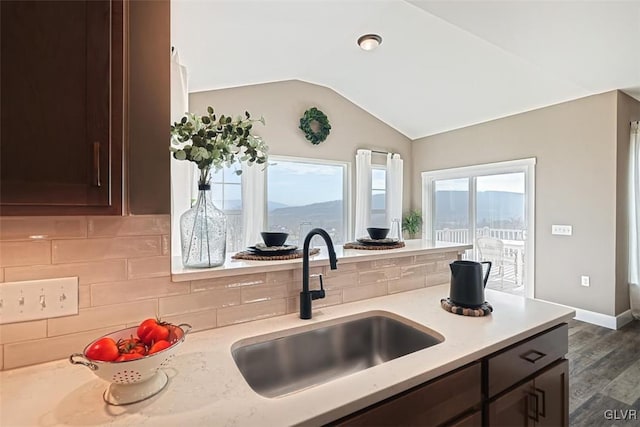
{"type": "Point", "coordinates": [206, 388]}
{"type": "Point", "coordinates": [233, 267]}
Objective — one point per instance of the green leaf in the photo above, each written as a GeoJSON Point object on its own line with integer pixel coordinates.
{"type": "Point", "coordinates": [184, 120]}
{"type": "Point", "coordinates": [210, 110]}
{"type": "Point", "coordinates": [247, 115]}
{"type": "Point", "coordinates": [180, 155]}
{"type": "Point", "coordinates": [206, 120]}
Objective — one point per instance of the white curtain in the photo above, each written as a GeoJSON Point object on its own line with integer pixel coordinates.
{"type": "Point", "coordinates": [181, 171]}
{"type": "Point", "coordinates": [253, 203]}
{"type": "Point", "coordinates": [634, 220]}
{"type": "Point", "coordinates": [363, 192]}
{"type": "Point", "coordinates": [393, 201]}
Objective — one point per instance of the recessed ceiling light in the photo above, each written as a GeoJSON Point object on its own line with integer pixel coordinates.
{"type": "Point", "coordinates": [369, 41]}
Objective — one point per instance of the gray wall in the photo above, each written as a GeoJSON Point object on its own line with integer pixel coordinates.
{"type": "Point", "coordinates": [283, 103]}
{"type": "Point", "coordinates": [576, 183]}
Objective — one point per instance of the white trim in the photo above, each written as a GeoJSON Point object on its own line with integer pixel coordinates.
{"type": "Point", "coordinates": [472, 172]}
{"type": "Point", "coordinates": [599, 319]}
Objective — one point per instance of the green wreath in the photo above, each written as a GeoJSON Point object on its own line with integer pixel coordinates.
{"type": "Point", "coordinates": [311, 116]}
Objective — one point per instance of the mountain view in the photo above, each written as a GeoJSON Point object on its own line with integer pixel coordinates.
{"type": "Point", "coordinates": [496, 209]}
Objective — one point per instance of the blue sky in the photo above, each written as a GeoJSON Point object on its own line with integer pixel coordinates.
{"type": "Point", "coordinates": [297, 184]}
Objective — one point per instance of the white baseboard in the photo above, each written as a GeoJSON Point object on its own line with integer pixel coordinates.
{"type": "Point", "coordinates": [604, 320]}
{"type": "Point", "coordinates": [611, 322]}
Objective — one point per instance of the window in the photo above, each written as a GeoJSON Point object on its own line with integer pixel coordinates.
{"type": "Point", "coordinates": [226, 188]}
{"type": "Point", "coordinates": [378, 196]}
{"type": "Point", "coordinates": [490, 206]}
{"type": "Point", "coordinates": [301, 191]}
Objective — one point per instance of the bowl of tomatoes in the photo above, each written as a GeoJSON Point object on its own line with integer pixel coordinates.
{"type": "Point", "coordinates": [130, 359]}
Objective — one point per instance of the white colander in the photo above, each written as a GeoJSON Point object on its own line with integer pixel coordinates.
{"type": "Point", "coordinates": [138, 378]}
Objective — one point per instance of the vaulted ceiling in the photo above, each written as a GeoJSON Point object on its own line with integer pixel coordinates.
{"type": "Point", "coordinates": [442, 64]}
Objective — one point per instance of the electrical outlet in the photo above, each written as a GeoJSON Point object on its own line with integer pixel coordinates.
{"type": "Point", "coordinates": [584, 281]}
{"type": "Point", "coordinates": [38, 299]}
{"type": "Point", "coordinates": [562, 230]}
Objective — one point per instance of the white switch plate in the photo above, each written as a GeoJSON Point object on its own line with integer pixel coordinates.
{"type": "Point", "coordinates": [584, 280]}
{"type": "Point", "coordinates": [562, 230]}
{"type": "Point", "coordinates": [38, 299]}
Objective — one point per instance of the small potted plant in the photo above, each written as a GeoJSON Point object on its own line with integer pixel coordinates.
{"type": "Point", "coordinates": [211, 142]}
{"type": "Point", "coordinates": [411, 223]}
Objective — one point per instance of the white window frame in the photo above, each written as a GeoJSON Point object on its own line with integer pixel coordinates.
{"type": "Point", "coordinates": [378, 211]}
{"type": "Point", "coordinates": [223, 183]}
{"type": "Point", "coordinates": [472, 172]}
{"type": "Point", "coordinates": [346, 187]}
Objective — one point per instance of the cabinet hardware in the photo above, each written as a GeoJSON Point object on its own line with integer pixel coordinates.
{"type": "Point", "coordinates": [96, 163]}
{"type": "Point", "coordinates": [536, 416]}
{"type": "Point", "coordinates": [532, 356]}
{"type": "Point", "coordinates": [543, 413]}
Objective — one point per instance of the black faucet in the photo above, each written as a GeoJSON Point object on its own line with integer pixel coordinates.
{"type": "Point", "coordinates": [306, 296]}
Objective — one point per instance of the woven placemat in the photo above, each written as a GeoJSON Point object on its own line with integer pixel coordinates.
{"type": "Point", "coordinates": [251, 256]}
{"type": "Point", "coordinates": [355, 245]}
{"type": "Point", "coordinates": [484, 310]}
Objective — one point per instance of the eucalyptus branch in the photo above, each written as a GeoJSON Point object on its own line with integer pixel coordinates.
{"type": "Point", "coordinates": [214, 142]}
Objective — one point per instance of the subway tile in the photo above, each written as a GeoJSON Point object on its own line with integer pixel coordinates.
{"type": "Point", "coordinates": [438, 278]}
{"type": "Point", "coordinates": [341, 281]}
{"type": "Point", "coordinates": [166, 245]}
{"type": "Point", "coordinates": [13, 332]}
{"type": "Point", "coordinates": [342, 269]}
{"type": "Point", "coordinates": [25, 253]}
{"type": "Point", "coordinates": [84, 296]}
{"type": "Point", "coordinates": [407, 283]}
{"type": "Point", "coordinates": [331, 298]}
{"type": "Point", "coordinates": [375, 276]}
{"type": "Point", "coordinates": [87, 272]}
{"type": "Point", "coordinates": [110, 316]}
{"type": "Point", "coordinates": [65, 251]}
{"type": "Point", "coordinates": [364, 292]}
{"type": "Point", "coordinates": [297, 273]}
{"type": "Point", "coordinates": [31, 352]}
{"type": "Point", "coordinates": [253, 311]}
{"type": "Point", "coordinates": [229, 282]}
{"type": "Point", "coordinates": [157, 266]}
{"type": "Point", "coordinates": [1, 357]}
{"type": "Point", "coordinates": [199, 320]}
{"type": "Point", "coordinates": [283, 276]}
{"type": "Point", "coordinates": [442, 266]}
{"type": "Point", "coordinates": [263, 292]}
{"type": "Point", "coordinates": [424, 258]}
{"type": "Point", "coordinates": [134, 290]}
{"type": "Point", "coordinates": [2, 275]}
{"type": "Point", "coordinates": [391, 262]}
{"type": "Point", "coordinates": [199, 301]}
{"type": "Point", "coordinates": [142, 225]}
{"type": "Point", "coordinates": [46, 227]}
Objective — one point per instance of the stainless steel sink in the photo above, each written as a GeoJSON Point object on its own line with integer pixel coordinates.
{"type": "Point", "coordinates": [275, 365]}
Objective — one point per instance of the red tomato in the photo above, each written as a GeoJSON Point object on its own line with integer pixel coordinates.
{"type": "Point", "coordinates": [132, 345]}
{"type": "Point", "coordinates": [159, 346]}
{"type": "Point", "coordinates": [105, 349]}
{"type": "Point", "coordinates": [152, 330]}
{"type": "Point", "coordinates": [129, 356]}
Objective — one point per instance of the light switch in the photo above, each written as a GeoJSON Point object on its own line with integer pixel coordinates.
{"type": "Point", "coordinates": [562, 230]}
{"type": "Point", "coordinates": [38, 299]}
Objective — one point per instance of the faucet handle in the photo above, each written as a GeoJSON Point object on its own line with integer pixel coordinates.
{"type": "Point", "coordinates": [318, 294]}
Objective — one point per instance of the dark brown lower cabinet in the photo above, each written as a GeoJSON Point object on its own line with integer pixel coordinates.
{"type": "Point", "coordinates": [525, 384]}
{"type": "Point", "coordinates": [541, 401]}
{"type": "Point", "coordinates": [435, 403]}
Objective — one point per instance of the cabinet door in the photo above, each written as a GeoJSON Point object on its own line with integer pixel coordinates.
{"type": "Point", "coordinates": [473, 420]}
{"type": "Point", "coordinates": [432, 404]}
{"type": "Point", "coordinates": [514, 408]}
{"type": "Point", "coordinates": [61, 107]}
{"type": "Point", "coordinates": [552, 388]}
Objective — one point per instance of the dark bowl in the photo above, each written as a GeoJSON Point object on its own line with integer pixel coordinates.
{"type": "Point", "coordinates": [274, 238]}
{"type": "Point", "coordinates": [377, 233]}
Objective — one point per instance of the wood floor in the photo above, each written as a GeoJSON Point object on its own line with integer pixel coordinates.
{"type": "Point", "coordinates": [604, 375]}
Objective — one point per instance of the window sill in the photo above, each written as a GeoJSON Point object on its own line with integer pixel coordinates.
{"type": "Point", "coordinates": [233, 267]}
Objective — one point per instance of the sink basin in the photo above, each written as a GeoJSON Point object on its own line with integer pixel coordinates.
{"type": "Point", "coordinates": [278, 364]}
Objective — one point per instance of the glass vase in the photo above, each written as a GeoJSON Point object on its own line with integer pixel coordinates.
{"type": "Point", "coordinates": [203, 232]}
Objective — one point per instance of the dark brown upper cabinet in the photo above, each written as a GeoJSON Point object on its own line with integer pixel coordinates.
{"type": "Point", "coordinates": [62, 107]}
